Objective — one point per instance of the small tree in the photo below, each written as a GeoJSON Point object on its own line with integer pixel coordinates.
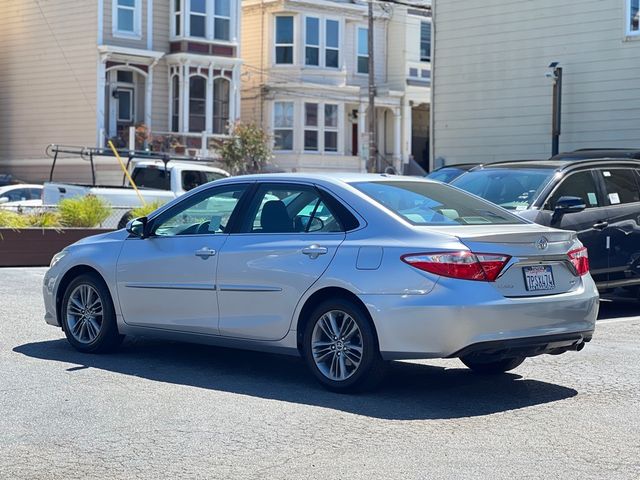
{"type": "Point", "coordinates": [247, 151]}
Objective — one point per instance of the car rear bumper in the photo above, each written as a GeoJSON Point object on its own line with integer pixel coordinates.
{"type": "Point", "coordinates": [449, 322]}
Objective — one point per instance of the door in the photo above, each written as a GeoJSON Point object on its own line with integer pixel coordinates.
{"type": "Point", "coordinates": [622, 195]}
{"type": "Point", "coordinates": [125, 110]}
{"type": "Point", "coordinates": [168, 280]}
{"type": "Point", "coordinates": [590, 223]}
{"type": "Point", "coordinates": [285, 243]}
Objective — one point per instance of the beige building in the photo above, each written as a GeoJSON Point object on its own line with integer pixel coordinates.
{"type": "Point", "coordinates": [81, 72]}
{"type": "Point", "coordinates": [491, 98]}
{"type": "Point", "coordinates": [305, 81]}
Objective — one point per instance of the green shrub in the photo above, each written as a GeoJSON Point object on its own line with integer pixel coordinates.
{"type": "Point", "coordinates": [83, 212]}
{"type": "Point", "coordinates": [146, 210]}
{"type": "Point", "coordinates": [12, 220]}
{"type": "Point", "coordinates": [44, 220]}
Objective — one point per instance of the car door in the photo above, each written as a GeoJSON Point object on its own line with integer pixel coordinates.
{"type": "Point", "coordinates": [588, 224]}
{"type": "Point", "coordinates": [168, 279]}
{"type": "Point", "coordinates": [622, 197]}
{"type": "Point", "coordinates": [287, 240]}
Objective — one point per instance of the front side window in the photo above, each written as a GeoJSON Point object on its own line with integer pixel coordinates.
{"type": "Point", "coordinates": [197, 104]}
{"type": "Point", "coordinates": [363, 50]}
{"type": "Point", "coordinates": [289, 209]}
{"type": "Point", "coordinates": [284, 40]}
{"type": "Point", "coordinates": [580, 185]}
{"type": "Point", "coordinates": [126, 17]}
{"type": "Point", "coordinates": [198, 19]}
{"type": "Point", "coordinates": [311, 127]}
{"type": "Point", "coordinates": [283, 125]}
{"type": "Point", "coordinates": [431, 203]}
{"type": "Point", "coordinates": [621, 186]}
{"type": "Point", "coordinates": [425, 41]}
{"type": "Point", "coordinates": [633, 19]}
{"type": "Point", "coordinates": [222, 20]}
{"type": "Point", "coordinates": [207, 213]}
{"type": "Point", "coordinates": [221, 99]}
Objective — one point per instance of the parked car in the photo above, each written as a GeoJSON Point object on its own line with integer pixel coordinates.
{"type": "Point", "coordinates": [22, 195]}
{"type": "Point", "coordinates": [594, 153]}
{"type": "Point", "coordinates": [448, 173]}
{"type": "Point", "coordinates": [598, 199]}
{"type": "Point", "coordinates": [346, 271]}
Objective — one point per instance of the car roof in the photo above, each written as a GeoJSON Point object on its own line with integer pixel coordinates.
{"type": "Point", "coordinates": [333, 178]}
{"type": "Point", "coordinates": [460, 166]}
{"type": "Point", "coordinates": [20, 185]}
{"type": "Point", "coordinates": [599, 153]}
{"type": "Point", "coordinates": [560, 165]}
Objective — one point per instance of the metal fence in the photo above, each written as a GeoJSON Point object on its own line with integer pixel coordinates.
{"type": "Point", "coordinates": [114, 221]}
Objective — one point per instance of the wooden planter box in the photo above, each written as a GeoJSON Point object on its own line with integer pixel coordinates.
{"type": "Point", "coordinates": [35, 247]}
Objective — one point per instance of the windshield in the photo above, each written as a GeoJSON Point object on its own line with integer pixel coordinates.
{"type": "Point", "coordinates": [430, 203]}
{"type": "Point", "coordinates": [514, 189]}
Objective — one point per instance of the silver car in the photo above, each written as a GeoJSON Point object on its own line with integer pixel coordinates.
{"type": "Point", "coordinates": [345, 270]}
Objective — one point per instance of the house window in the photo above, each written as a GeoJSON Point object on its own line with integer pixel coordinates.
{"type": "Point", "coordinates": [633, 23]}
{"type": "Point", "coordinates": [221, 93]}
{"type": "Point", "coordinates": [177, 12]}
{"type": "Point", "coordinates": [175, 103]}
{"type": "Point", "coordinates": [330, 127]}
{"type": "Point", "coordinates": [222, 20]}
{"type": "Point", "coordinates": [363, 50]}
{"type": "Point", "coordinates": [312, 36]}
{"type": "Point", "coordinates": [425, 41]}
{"type": "Point", "coordinates": [311, 127]}
{"type": "Point", "coordinates": [197, 104]}
{"type": "Point", "coordinates": [332, 44]}
{"type": "Point", "coordinates": [284, 40]}
{"type": "Point", "coordinates": [198, 19]}
{"type": "Point", "coordinates": [126, 17]}
{"type": "Point", "coordinates": [283, 125]}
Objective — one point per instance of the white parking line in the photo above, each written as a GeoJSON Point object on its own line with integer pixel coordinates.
{"type": "Point", "coordinates": [619, 320]}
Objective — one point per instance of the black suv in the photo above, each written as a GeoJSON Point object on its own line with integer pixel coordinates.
{"type": "Point", "coordinates": [597, 198]}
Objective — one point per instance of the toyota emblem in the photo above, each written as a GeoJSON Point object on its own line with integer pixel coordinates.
{"type": "Point", "coordinates": [542, 244]}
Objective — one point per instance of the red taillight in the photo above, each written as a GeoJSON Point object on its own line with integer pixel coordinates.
{"type": "Point", "coordinates": [484, 267]}
{"type": "Point", "coordinates": [580, 260]}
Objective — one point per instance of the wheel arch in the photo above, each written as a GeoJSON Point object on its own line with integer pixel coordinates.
{"type": "Point", "coordinates": [320, 296]}
{"type": "Point", "coordinates": [66, 279]}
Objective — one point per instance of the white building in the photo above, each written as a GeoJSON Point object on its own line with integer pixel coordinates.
{"type": "Point", "coordinates": [306, 80]}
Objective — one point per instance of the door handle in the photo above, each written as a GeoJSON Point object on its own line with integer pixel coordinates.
{"type": "Point", "coordinates": [600, 225]}
{"type": "Point", "coordinates": [205, 253]}
{"type": "Point", "coordinates": [314, 251]}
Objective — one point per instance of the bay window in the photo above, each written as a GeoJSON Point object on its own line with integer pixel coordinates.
{"type": "Point", "coordinates": [127, 18]}
{"type": "Point", "coordinates": [198, 19]}
{"type": "Point", "coordinates": [322, 42]}
{"type": "Point", "coordinates": [363, 50]}
{"type": "Point", "coordinates": [175, 103]}
{"type": "Point", "coordinates": [222, 20]}
{"type": "Point", "coordinates": [633, 18]}
{"type": "Point", "coordinates": [330, 127]}
{"type": "Point", "coordinates": [332, 44]}
{"type": "Point", "coordinates": [197, 104]}
{"type": "Point", "coordinates": [203, 19]}
{"type": "Point", "coordinates": [221, 102]}
{"type": "Point", "coordinates": [425, 41]}
{"type": "Point", "coordinates": [311, 127]}
{"type": "Point", "coordinates": [312, 37]}
{"type": "Point", "coordinates": [177, 14]}
{"type": "Point", "coordinates": [283, 113]}
{"type": "Point", "coordinates": [284, 40]}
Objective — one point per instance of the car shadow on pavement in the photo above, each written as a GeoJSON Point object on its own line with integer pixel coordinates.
{"type": "Point", "coordinates": [411, 391]}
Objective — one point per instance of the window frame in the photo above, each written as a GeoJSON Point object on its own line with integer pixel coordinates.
{"type": "Point", "coordinates": [308, 45]}
{"type": "Point", "coordinates": [322, 45]}
{"type": "Point", "coordinates": [216, 16]}
{"type": "Point", "coordinates": [292, 129]}
{"type": "Point", "coordinates": [206, 15]}
{"type": "Point", "coordinates": [358, 54]}
{"type": "Point", "coordinates": [426, 59]}
{"type": "Point", "coordinates": [224, 106]}
{"type": "Point", "coordinates": [628, 20]}
{"type": "Point", "coordinates": [546, 206]}
{"type": "Point", "coordinates": [136, 33]}
{"type": "Point", "coordinates": [312, 128]}
{"type": "Point", "coordinates": [183, 18]}
{"type": "Point", "coordinates": [204, 100]}
{"type": "Point", "coordinates": [599, 172]}
{"type": "Point", "coordinates": [330, 129]}
{"type": "Point", "coordinates": [291, 45]}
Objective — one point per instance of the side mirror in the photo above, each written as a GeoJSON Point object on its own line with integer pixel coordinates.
{"type": "Point", "coordinates": [4, 200]}
{"type": "Point", "coordinates": [138, 227]}
{"type": "Point", "coordinates": [566, 205]}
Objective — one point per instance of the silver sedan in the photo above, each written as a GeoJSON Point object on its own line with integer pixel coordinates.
{"type": "Point", "coordinates": [347, 271]}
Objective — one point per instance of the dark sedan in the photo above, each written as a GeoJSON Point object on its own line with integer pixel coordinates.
{"type": "Point", "coordinates": [599, 199]}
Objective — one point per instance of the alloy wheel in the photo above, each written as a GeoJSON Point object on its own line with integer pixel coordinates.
{"type": "Point", "coordinates": [84, 314]}
{"type": "Point", "coordinates": [337, 346]}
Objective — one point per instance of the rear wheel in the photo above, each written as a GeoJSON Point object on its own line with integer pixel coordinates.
{"type": "Point", "coordinates": [341, 349]}
{"type": "Point", "coordinates": [88, 316]}
{"type": "Point", "coordinates": [490, 366]}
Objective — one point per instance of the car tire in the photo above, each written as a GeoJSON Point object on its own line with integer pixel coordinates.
{"type": "Point", "coordinates": [339, 341]}
{"type": "Point", "coordinates": [487, 366]}
{"type": "Point", "coordinates": [88, 316]}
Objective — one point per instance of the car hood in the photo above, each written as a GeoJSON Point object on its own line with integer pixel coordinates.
{"type": "Point", "coordinates": [117, 236]}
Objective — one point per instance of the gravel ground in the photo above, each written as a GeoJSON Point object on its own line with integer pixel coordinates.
{"type": "Point", "coordinates": [168, 410]}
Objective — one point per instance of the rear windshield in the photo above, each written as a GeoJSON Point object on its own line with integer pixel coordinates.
{"type": "Point", "coordinates": [429, 203]}
{"type": "Point", "coordinates": [513, 189]}
{"type": "Point", "coordinates": [152, 177]}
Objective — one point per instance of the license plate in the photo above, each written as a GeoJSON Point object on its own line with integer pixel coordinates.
{"type": "Point", "coordinates": [539, 278]}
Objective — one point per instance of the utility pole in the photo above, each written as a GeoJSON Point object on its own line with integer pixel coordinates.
{"type": "Point", "coordinates": [373, 157]}
{"type": "Point", "coordinates": [557, 109]}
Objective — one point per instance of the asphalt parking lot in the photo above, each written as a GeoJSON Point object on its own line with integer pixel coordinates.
{"type": "Point", "coordinates": [168, 410]}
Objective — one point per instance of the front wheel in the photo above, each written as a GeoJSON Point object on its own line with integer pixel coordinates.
{"type": "Point", "coordinates": [88, 316]}
{"type": "Point", "coordinates": [490, 366]}
{"type": "Point", "coordinates": [341, 349]}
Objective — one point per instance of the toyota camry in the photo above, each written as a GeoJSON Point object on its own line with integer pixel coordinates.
{"type": "Point", "coordinates": [347, 271]}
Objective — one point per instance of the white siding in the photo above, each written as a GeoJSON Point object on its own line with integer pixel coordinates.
{"type": "Point", "coordinates": [492, 100]}
{"type": "Point", "coordinates": [48, 78]}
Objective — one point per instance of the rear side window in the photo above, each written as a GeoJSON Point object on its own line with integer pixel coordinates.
{"type": "Point", "coordinates": [429, 203]}
{"type": "Point", "coordinates": [154, 178]}
{"type": "Point", "coordinates": [582, 185]}
{"type": "Point", "coordinates": [621, 186]}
